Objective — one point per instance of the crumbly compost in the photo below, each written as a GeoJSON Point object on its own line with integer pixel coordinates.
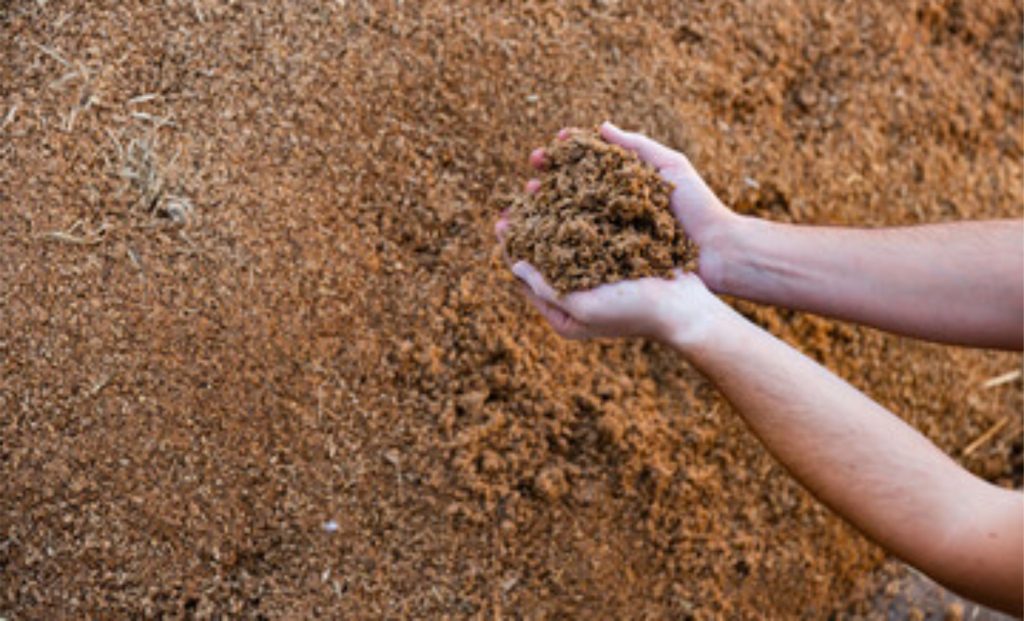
{"type": "Point", "coordinates": [316, 393]}
{"type": "Point", "coordinates": [601, 215]}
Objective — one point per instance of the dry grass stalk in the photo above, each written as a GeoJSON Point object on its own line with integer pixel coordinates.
{"type": "Point", "coordinates": [148, 174]}
{"type": "Point", "coordinates": [999, 380]}
{"type": "Point", "coordinates": [986, 436]}
{"type": "Point", "coordinates": [10, 116]}
{"type": "Point", "coordinates": [71, 235]}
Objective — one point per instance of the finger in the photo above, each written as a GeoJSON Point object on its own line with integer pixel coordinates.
{"type": "Point", "coordinates": [654, 153]}
{"type": "Point", "coordinates": [560, 321]}
{"type": "Point", "coordinates": [532, 186]}
{"type": "Point", "coordinates": [588, 305]}
{"type": "Point", "coordinates": [501, 224]}
{"type": "Point", "coordinates": [501, 228]}
{"type": "Point", "coordinates": [529, 274]}
{"type": "Point", "coordinates": [583, 304]}
{"type": "Point", "coordinates": [539, 159]}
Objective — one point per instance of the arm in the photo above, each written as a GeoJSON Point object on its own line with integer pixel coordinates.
{"type": "Point", "coordinates": [959, 283]}
{"type": "Point", "coordinates": [956, 283]}
{"type": "Point", "coordinates": [866, 464]}
{"type": "Point", "coordinates": [859, 459]}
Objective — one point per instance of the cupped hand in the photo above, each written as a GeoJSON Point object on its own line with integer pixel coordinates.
{"type": "Point", "coordinates": [702, 215]}
{"type": "Point", "coordinates": [671, 310]}
{"type": "Point", "coordinates": [657, 308]}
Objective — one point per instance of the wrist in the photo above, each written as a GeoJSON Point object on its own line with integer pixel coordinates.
{"type": "Point", "coordinates": [693, 316]}
{"type": "Point", "coordinates": [724, 252]}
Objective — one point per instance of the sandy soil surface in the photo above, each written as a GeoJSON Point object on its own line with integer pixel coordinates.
{"type": "Point", "coordinates": [258, 355]}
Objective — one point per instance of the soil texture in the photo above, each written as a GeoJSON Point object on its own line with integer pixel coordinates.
{"type": "Point", "coordinates": [260, 356]}
{"type": "Point", "coordinates": [599, 216]}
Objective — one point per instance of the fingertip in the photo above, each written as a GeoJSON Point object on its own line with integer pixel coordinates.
{"type": "Point", "coordinates": [610, 132]}
{"type": "Point", "coordinates": [538, 158]}
{"type": "Point", "coordinates": [532, 277]}
{"type": "Point", "coordinates": [500, 228]}
{"type": "Point", "coordinates": [521, 269]}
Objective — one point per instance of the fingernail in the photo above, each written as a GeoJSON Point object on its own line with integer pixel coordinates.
{"type": "Point", "coordinates": [521, 269]}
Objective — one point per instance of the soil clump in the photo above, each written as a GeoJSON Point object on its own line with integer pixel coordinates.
{"type": "Point", "coordinates": [601, 215]}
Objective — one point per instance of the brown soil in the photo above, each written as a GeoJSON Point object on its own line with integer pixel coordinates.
{"type": "Point", "coordinates": [599, 216]}
{"type": "Point", "coordinates": [259, 354]}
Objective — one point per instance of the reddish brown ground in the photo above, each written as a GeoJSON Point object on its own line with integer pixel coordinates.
{"type": "Point", "coordinates": [249, 286]}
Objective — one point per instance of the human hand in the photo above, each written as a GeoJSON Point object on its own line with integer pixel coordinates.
{"type": "Point", "coordinates": [702, 215]}
{"type": "Point", "coordinates": [674, 311]}
{"type": "Point", "coordinates": [662, 309]}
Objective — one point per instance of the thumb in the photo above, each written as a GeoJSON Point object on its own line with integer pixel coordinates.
{"type": "Point", "coordinates": [535, 281]}
{"type": "Point", "coordinates": [650, 151]}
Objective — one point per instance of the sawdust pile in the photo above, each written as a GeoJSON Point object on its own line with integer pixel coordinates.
{"type": "Point", "coordinates": [599, 216]}
{"type": "Point", "coordinates": [260, 357]}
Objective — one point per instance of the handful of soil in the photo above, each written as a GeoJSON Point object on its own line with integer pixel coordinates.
{"type": "Point", "coordinates": [600, 216]}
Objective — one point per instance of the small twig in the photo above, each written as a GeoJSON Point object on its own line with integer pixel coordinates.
{"type": "Point", "coordinates": [69, 122]}
{"type": "Point", "coordinates": [100, 385]}
{"type": "Point", "coordinates": [69, 237]}
{"type": "Point", "coordinates": [67, 77]}
{"type": "Point", "coordinates": [985, 437]}
{"type": "Point", "coordinates": [142, 98]}
{"type": "Point", "coordinates": [134, 258]}
{"type": "Point", "coordinates": [54, 54]}
{"type": "Point", "coordinates": [999, 380]}
{"type": "Point", "coordinates": [159, 121]}
{"type": "Point", "coordinates": [57, 23]}
{"type": "Point", "coordinates": [61, 236]}
{"type": "Point", "coordinates": [10, 116]}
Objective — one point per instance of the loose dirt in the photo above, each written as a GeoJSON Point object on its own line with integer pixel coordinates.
{"type": "Point", "coordinates": [260, 355]}
{"type": "Point", "coordinates": [599, 216]}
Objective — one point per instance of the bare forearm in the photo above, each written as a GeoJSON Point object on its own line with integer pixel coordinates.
{"type": "Point", "coordinates": [859, 459]}
{"type": "Point", "coordinates": [959, 283]}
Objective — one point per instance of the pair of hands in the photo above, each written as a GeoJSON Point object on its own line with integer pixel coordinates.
{"type": "Point", "coordinates": [662, 309]}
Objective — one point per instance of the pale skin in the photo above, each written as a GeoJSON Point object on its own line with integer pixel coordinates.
{"type": "Point", "coordinates": [954, 283]}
